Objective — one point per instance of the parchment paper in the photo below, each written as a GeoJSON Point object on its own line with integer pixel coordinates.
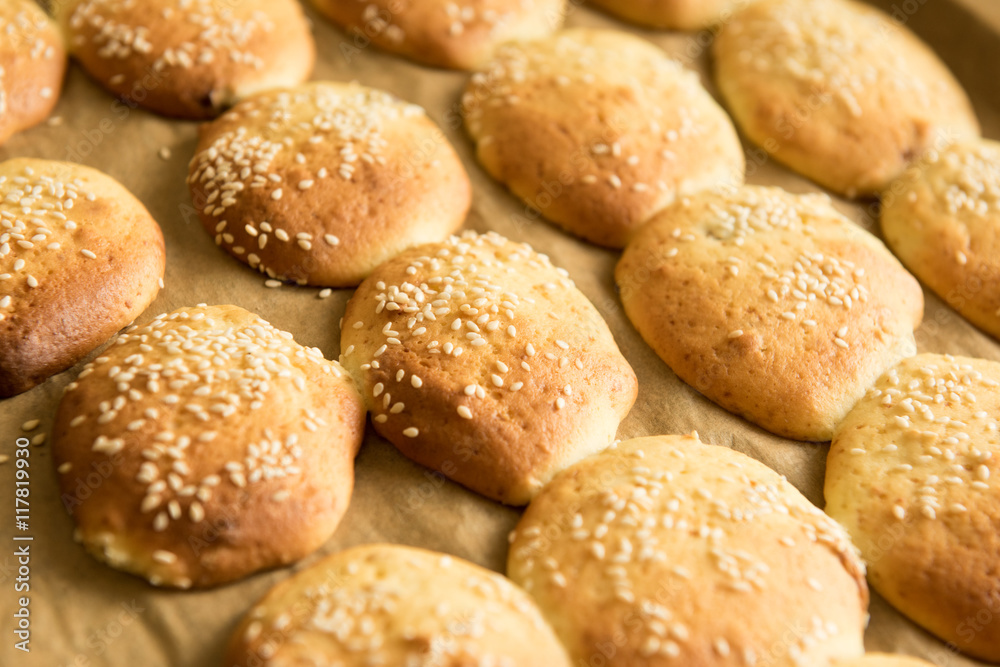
{"type": "Point", "coordinates": [84, 613]}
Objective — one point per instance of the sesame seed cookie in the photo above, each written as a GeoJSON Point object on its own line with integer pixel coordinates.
{"type": "Point", "coordinates": [457, 34]}
{"type": "Point", "coordinates": [942, 219]}
{"type": "Point", "coordinates": [80, 258]}
{"type": "Point", "coordinates": [481, 360]}
{"type": "Point", "coordinates": [32, 65]}
{"type": "Point", "coordinates": [882, 660]}
{"type": "Point", "coordinates": [837, 91]}
{"type": "Point", "coordinates": [665, 551]}
{"type": "Point", "coordinates": [914, 475]}
{"type": "Point", "coordinates": [189, 58]}
{"type": "Point", "coordinates": [775, 306]}
{"type": "Point", "coordinates": [320, 184]}
{"type": "Point", "coordinates": [673, 14]}
{"type": "Point", "coordinates": [206, 445]}
{"type": "Point", "coordinates": [393, 605]}
{"type": "Point", "coordinates": [598, 130]}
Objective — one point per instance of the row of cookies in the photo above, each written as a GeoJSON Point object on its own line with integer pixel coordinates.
{"type": "Point", "coordinates": [604, 177]}
{"type": "Point", "coordinates": [811, 82]}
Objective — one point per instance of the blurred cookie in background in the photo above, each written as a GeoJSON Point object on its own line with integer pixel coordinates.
{"type": "Point", "coordinates": [189, 58]}
{"type": "Point", "coordinates": [838, 91]}
{"type": "Point", "coordinates": [598, 130]}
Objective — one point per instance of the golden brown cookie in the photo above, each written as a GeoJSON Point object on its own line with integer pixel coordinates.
{"type": "Point", "coordinates": [914, 475]}
{"type": "Point", "coordinates": [320, 184]}
{"type": "Point", "coordinates": [838, 91]}
{"type": "Point", "coordinates": [393, 605]}
{"type": "Point", "coordinates": [458, 34]}
{"type": "Point", "coordinates": [206, 445]}
{"type": "Point", "coordinates": [942, 219]}
{"type": "Point", "coordinates": [32, 65]}
{"type": "Point", "coordinates": [80, 258]}
{"type": "Point", "coordinates": [597, 130]}
{"type": "Point", "coordinates": [481, 360]}
{"type": "Point", "coordinates": [189, 58]}
{"type": "Point", "coordinates": [775, 306]}
{"type": "Point", "coordinates": [673, 14]}
{"type": "Point", "coordinates": [664, 551]}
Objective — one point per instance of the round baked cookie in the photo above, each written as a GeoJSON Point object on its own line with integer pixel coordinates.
{"type": "Point", "coordinates": [32, 65]}
{"type": "Point", "coordinates": [673, 14]}
{"type": "Point", "coordinates": [665, 551]}
{"type": "Point", "coordinates": [458, 34]}
{"type": "Point", "coordinates": [206, 445]}
{"type": "Point", "coordinates": [775, 306]}
{"type": "Point", "coordinates": [320, 184]}
{"type": "Point", "coordinates": [189, 58]}
{"type": "Point", "coordinates": [942, 219]}
{"type": "Point", "coordinates": [387, 604]}
{"type": "Point", "coordinates": [80, 258]}
{"type": "Point", "coordinates": [838, 91]}
{"type": "Point", "coordinates": [914, 475]}
{"type": "Point", "coordinates": [598, 130]}
{"type": "Point", "coordinates": [481, 360]}
{"type": "Point", "coordinates": [882, 660]}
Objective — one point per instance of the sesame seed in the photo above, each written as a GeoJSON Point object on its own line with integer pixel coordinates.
{"type": "Point", "coordinates": [30, 425]}
{"type": "Point", "coordinates": [736, 333]}
{"type": "Point", "coordinates": [464, 412]}
{"type": "Point", "coordinates": [88, 254]}
{"type": "Point", "coordinates": [165, 557]}
{"type": "Point", "coordinates": [416, 382]}
{"type": "Point", "coordinates": [411, 432]}
{"type": "Point", "coordinates": [276, 195]}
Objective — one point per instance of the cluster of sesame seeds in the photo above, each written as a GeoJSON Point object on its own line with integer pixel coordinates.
{"type": "Point", "coordinates": [329, 130]}
{"type": "Point", "coordinates": [219, 32]}
{"type": "Point", "coordinates": [459, 16]}
{"type": "Point", "coordinates": [466, 14]}
{"type": "Point", "coordinates": [973, 183]}
{"type": "Point", "coordinates": [458, 301]}
{"type": "Point", "coordinates": [195, 372]}
{"type": "Point", "coordinates": [36, 219]}
{"type": "Point", "coordinates": [810, 281]}
{"type": "Point", "coordinates": [367, 608]}
{"type": "Point", "coordinates": [375, 22]}
{"type": "Point", "coordinates": [830, 46]}
{"type": "Point", "coordinates": [627, 527]}
{"type": "Point", "coordinates": [942, 424]}
{"type": "Point", "coordinates": [567, 60]}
